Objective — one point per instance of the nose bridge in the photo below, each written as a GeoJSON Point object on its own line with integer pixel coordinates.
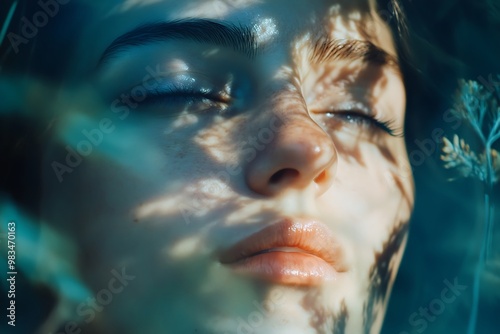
{"type": "Point", "coordinates": [301, 154]}
{"type": "Point", "coordinates": [295, 126]}
{"type": "Point", "coordinates": [285, 109]}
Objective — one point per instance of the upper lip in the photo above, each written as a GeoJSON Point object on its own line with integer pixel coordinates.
{"type": "Point", "coordinates": [300, 235]}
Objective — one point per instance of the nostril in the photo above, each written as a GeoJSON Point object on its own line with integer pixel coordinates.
{"type": "Point", "coordinates": [321, 177]}
{"type": "Point", "coordinates": [283, 175]}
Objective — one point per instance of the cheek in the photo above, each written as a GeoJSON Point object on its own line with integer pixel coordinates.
{"type": "Point", "coordinates": [201, 163]}
{"type": "Point", "coordinates": [366, 202]}
{"type": "Point", "coordinates": [139, 170]}
{"type": "Point", "coordinates": [222, 139]}
{"type": "Point", "coordinates": [382, 273]}
{"type": "Point", "coordinates": [370, 189]}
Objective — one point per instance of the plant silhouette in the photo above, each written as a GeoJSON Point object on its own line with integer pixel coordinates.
{"type": "Point", "coordinates": [479, 108]}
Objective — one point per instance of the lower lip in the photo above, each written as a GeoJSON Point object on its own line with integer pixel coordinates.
{"type": "Point", "coordinates": [287, 268]}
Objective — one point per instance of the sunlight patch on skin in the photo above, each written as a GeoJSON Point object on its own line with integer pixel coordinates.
{"type": "Point", "coordinates": [250, 209]}
{"type": "Point", "coordinates": [162, 207]}
{"type": "Point", "coordinates": [215, 186]}
{"type": "Point", "coordinates": [184, 248]}
{"type": "Point", "coordinates": [177, 65]}
{"type": "Point", "coordinates": [216, 8]}
{"type": "Point", "coordinates": [355, 16]}
{"type": "Point", "coordinates": [131, 4]}
{"type": "Point", "coordinates": [226, 92]}
{"type": "Point", "coordinates": [302, 53]}
{"type": "Point", "coordinates": [339, 29]}
{"type": "Point", "coordinates": [200, 197]}
{"type": "Point", "coordinates": [265, 30]}
{"type": "Point", "coordinates": [184, 119]}
{"type": "Point", "coordinates": [215, 140]}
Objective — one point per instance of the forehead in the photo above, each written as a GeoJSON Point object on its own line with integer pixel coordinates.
{"type": "Point", "coordinates": [167, 9]}
{"type": "Point", "coordinates": [279, 22]}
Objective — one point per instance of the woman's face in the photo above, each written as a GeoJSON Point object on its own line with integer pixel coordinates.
{"type": "Point", "coordinates": [240, 162]}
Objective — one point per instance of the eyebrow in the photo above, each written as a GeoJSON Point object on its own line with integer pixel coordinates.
{"type": "Point", "coordinates": [325, 50]}
{"type": "Point", "coordinates": [242, 39]}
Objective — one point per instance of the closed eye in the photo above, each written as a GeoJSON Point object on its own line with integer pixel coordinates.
{"type": "Point", "coordinates": [170, 100]}
{"type": "Point", "coordinates": [365, 122]}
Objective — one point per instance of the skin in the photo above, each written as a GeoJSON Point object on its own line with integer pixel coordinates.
{"type": "Point", "coordinates": [174, 183]}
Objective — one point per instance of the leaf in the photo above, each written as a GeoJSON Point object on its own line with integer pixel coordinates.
{"type": "Point", "coordinates": [458, 155]}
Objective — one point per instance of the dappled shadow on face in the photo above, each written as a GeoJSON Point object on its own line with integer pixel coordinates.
{"type": "Point", "coordinates": [382, 273]}
{"type": "Point", "coordinates": [371, 85]}
{"type": "Point", "coordinates": [325, 319]}
{"type": "Point", "coordinates": [193, 200]}
{"type": "Point", "coordinates": [208, 197]}
{"type": "Point", "coordinates": [360, 19]}
{"type": "Point", "coordinates": [368, 84]}
{"type": "Point", "coordinates": [353, 88]}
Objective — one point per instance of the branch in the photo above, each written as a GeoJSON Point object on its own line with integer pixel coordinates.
{"type": "Point", "coordinates": [493, 139]}
{"type": "Point", "coordinates": [495, 128]}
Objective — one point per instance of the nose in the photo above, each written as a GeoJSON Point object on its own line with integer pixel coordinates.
{"type": "Point", "coordinates": [300, 155]}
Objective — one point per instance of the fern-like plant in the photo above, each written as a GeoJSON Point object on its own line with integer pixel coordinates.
{"type": "Point", "coordinates": [479, 108]}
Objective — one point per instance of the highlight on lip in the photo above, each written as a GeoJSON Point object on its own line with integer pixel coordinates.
{"type": "Point", "coordinates": [291, 251]}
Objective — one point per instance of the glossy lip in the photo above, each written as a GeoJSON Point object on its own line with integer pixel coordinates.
{"type": "Point", "coordinates": [290, 251]}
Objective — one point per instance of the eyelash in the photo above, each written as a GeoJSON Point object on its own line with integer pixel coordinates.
{"type": "Point", "coordinates": [366, 120]}
{"type": "Point", "coordinates": [191, 95]}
